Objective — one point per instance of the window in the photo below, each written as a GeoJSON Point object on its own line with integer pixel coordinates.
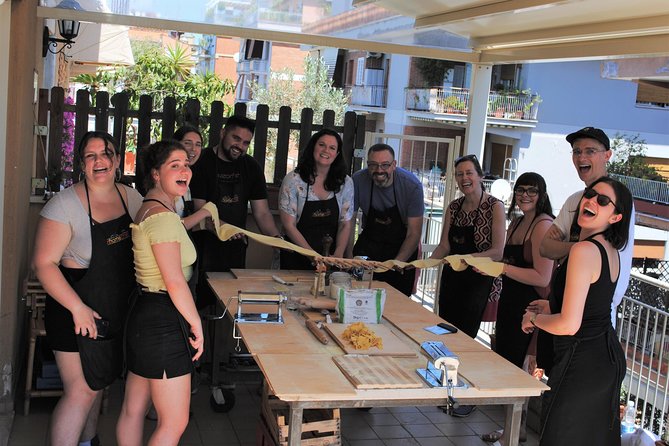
{"type": "Point", "coordinates": [254, 49]}
{"type": "Point", "coordinates": [360, 72]}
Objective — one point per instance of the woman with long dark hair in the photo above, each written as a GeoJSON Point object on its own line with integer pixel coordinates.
{"type": "Point", "coordinates": [316, 200]}
{"type": "Point", "coordinates": [83, 259]}
{"type": "Point", "coordinates": [526, 275]}
{"type": "Point", "coordinates": [582, 406]}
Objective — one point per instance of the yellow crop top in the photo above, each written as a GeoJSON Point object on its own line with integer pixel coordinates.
{"type": "Point", "coordinates": [164, 227]}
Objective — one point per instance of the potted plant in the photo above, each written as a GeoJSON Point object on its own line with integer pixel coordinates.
{"type": "Point", "coordinates": [452, 104]}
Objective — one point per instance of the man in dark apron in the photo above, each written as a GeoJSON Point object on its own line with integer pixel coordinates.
{"type": "Point", "coordinates": [391, 200]}
{"type": "Point", "coordinates": [228, 177]}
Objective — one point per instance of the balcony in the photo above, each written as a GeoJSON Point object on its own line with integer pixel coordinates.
{"type": "Point", "coordinates": [454, 101]}
{"type": "Point", "coordinates": [367, 95]}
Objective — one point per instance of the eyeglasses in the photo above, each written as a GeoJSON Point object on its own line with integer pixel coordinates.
{"type": "Point", "coordinates": [470, 157]}
{"type": "Point", "coordinates": [602, 200]}
{"type": "Point", "coordinates": [376, 166]}
{"type": "Point", "coordinates": [530, 191]}
{"type": "Point", "coordinates": [588, 153]}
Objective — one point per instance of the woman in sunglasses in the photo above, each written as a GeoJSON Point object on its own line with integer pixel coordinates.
{"type": "Point", "coordinates": [473, 224]}
{"type": "Point", "coordinates": [582, 406]}
{"type": "Point", "coordinates": [526, 274]}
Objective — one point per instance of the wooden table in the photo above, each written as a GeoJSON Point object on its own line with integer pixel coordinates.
{"type": "Point", "coordinates": [300, 371]}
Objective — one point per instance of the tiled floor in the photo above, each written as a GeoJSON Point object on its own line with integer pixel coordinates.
{"type": "Point", "coordinates": [400, 426]}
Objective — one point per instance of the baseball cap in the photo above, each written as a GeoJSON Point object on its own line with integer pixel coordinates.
{"type": "Point", "coordinates": [590, 132]}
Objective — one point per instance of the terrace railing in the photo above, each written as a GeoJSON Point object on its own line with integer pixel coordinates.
{"type": "Point", "coordinates": [648, 190]}
{"type": "Point", "coordinates": [367, 95]}
{"type": "Point", "coordinates": [455, 101]}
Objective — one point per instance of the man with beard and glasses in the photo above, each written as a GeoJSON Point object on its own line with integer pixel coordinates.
{"type": "Point", "coordinates": [391, 200]}
{"type": "Point", "coordinates": [228, 177]}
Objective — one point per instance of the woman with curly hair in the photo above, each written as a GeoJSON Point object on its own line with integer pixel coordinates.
{"type": "Point", "coordinates": [316, 200]}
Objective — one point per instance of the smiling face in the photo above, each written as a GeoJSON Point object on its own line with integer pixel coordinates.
{"type": "Point", "coordinates": [325, 151]}
{"type": "Point", "coordinates": [468, 179]}
{"type": "Point", "coordinates": [527, 197]}
{"type": "Point", "coordinates": [193, 144]}
{"type": "Point", "coordinates": [590, 160]}
{"type": "Point", "coordinates": [235, 142]}
{"type": "Point", "coordinates": [381, 166]}
{"type": "Point", "coordinates": [596, 216]}
{"type": "Point", "coordinates": [174, 175]}
{"type": "Point", "coordinates": [99, 162]}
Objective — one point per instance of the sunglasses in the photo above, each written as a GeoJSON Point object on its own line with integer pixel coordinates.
{"type": "Point", "coordinates": [602, 200]}
{"type": "Point", "coordinates": [530, 191]}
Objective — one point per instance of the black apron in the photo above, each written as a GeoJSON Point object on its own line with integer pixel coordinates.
{"type": "Point", "coordinates": [105, 287]}
{"type": "Point", "coordinates": [318, 218]}
{"type": "Point", "coordinates": [382, 239]}
{"type": "Point", "coordinates": [511, 342]}
{"type": "Point", "coordinates": [463, 295]}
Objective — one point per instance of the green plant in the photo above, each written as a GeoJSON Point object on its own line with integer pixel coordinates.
{"type": "Point", "coordinates": [629, 158]}
{"type": "Point", "coordinates": [453, 102]}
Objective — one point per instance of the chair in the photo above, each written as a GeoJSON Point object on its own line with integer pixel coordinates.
{"type": "Point", "coordinates": [35, 298]}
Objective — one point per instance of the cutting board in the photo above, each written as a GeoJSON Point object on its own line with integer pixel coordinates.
{"type": "Point", "coordinates": [376, 372]}
{"type": "Point", "coordinates": [392, 345]}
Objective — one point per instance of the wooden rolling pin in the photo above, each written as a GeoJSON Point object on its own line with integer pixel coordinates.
{"type": "Point", "coordinates": [320, 335]}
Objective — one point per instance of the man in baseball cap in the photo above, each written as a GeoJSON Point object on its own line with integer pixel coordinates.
{"type": "Point", "coordinates": [591, 150]}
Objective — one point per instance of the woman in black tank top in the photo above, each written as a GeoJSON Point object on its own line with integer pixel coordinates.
{"type": "Point", "coordinates": [582, 406]}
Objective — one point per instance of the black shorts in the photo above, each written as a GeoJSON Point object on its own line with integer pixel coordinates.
{"type": "Point", "coordinates": [59, 327]}
{"type": "Point", "coordinates": [156, 338]}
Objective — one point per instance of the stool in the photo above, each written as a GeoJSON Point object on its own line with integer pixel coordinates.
{"type": "Point", "coordinates": [36, 300]}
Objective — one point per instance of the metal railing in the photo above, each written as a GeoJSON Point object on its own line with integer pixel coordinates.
{"type": "Point", "coordinates": [649, 190]}
{"type": "Point", "coordinates": [367, 95]}
{"type": "Point", "coordinates": [455, 101]}
{"type": "Point", "coordinates": [643, 331]}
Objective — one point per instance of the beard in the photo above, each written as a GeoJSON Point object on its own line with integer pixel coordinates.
{"type": "Point", "coordinates": [381, 179]}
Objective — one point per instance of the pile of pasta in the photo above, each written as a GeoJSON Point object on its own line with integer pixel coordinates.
{"type": "Point", "coordinates": [361, 337]}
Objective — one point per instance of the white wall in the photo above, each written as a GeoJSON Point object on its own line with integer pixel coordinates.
{"type": "Point", "coordinates": [5, 14]}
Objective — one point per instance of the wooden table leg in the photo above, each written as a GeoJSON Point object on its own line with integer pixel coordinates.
{"type": "Point", "coordinates": [514, 414]}
{"type": "Point", "coordinates": [295, 429]}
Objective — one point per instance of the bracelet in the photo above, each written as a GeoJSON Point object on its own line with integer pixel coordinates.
{"type": "Point", "coordinates": [533, 319]}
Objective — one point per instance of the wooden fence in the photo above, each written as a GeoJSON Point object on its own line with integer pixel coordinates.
{"type": "Point", "coordinates": [51, 113]}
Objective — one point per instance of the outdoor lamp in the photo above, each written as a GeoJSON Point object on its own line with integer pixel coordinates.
{"type": "Point", "coordinates": [68, 29]}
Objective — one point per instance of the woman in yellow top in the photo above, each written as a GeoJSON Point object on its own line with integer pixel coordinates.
{"type": "Point", "coordinates": [164, 331]}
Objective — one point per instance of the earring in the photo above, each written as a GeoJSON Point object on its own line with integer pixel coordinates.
{"type": "Point", "coordinates": [117, 175]}
{"type": "Point", "coordinates": [82, 175]}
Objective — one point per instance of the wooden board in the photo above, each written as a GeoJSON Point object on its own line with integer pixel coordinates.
{"type": "Point", "coordinates": [392, 345]}
{"type": "Point", "coordinates": [304, 377]}
{"type": "Point", "coordinates": [376, 372]}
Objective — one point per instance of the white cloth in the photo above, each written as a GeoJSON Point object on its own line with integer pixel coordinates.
{"type": "Point", "coordinates": [563, 222]}
{"type": "Point", "coordinates": [66, 207]}
{"type": "Point", "coordinates": [639, 437]}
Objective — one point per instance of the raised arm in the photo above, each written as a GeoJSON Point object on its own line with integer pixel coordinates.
{"type": "Point", "coordinates": [585, 265]}
{"type": "Point", "coordinates": [264, 218]}
{"type": "Point", "coordinates": [51, 240]}
{"type": "Point", "coordinates": [410, 243]}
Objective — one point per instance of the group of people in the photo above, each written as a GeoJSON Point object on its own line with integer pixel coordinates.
{"type": "Point", "coordinates": [121, 271]}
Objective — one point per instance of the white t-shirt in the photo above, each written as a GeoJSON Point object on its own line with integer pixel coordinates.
{"type": "Point", "coordinates": [563, 222]}
{"type": "Point", "coordinates": [66, 207]}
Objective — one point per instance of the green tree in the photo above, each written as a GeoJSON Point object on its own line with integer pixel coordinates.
{"type": "Point", "coordinates": [161, 73]}
{"type": "Point", "coordinates": [629, 158]}
{"type": "Point", "coordinates": [315, 91]}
